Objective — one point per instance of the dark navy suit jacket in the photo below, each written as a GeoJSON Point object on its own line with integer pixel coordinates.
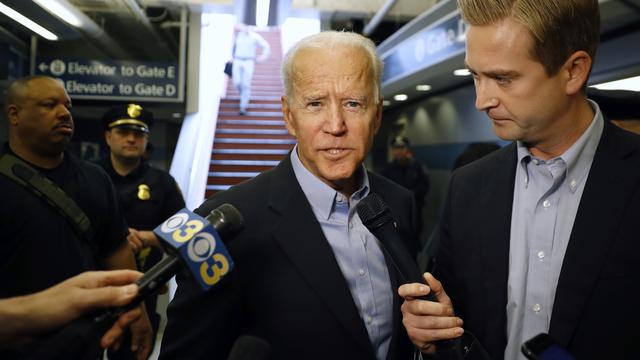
{"type": "Point", "coordinates": [595, 313]}
{"type": "Point", "coordinates": [286, 286]}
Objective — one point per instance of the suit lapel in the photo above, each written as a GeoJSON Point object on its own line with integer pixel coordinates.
{"type": "Point", "coordinates": [301, 238]}
{"type": "Point", "coordinates": [609, 183]}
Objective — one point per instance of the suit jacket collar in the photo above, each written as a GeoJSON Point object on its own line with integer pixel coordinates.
{"type": "Point", "coordinates": [299, 235]}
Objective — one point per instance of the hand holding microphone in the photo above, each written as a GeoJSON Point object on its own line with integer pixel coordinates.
{"type": "Point", "coordinates": [426, 321]}
{"type": "Point", "coordinates": [191, 242]}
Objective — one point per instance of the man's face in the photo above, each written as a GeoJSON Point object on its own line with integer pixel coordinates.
{"type": "Point", "coordinates": [521, 100]}
{"type": "Point", "coordinates": [333, 113]}
{"type": "Point", "coordinates": [126, 143]}
{"type": "Point", "coordinates": [41, 116]}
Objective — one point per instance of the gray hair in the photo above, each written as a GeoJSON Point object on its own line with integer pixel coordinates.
{"type": "Point", "coordinates": [332, 40]}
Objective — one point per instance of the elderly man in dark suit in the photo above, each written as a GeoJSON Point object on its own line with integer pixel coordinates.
{"type": "Point", "coordinates": [542, 235]}
{"type": "Point", "coordinates": [309, 278]}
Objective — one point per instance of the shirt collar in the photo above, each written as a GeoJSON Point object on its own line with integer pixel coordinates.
{"type": "Point", "coordinates": [320, 195]}
{"type": "Point", "coordinates": [579, 156]}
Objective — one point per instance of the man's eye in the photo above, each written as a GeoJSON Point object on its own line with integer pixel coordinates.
{"type": "Point", "coordinates": [503, 80]}
{"type": "Point", "coordinates": [353, 104]}
{"type": "Point", "coordinates": [314, 104]}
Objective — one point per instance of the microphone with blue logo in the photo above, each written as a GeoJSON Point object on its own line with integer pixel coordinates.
{"type": "Point", "coordinates": [191, 242]}
{"type": "Point", "coordinates": [194, 243]}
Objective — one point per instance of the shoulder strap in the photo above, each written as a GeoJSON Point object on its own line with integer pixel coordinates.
{"type": "Point", "coordinates": [28, 177]}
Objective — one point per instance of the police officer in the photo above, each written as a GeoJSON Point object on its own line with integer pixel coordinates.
{"type": "Point", "coordinates": [148, 196]}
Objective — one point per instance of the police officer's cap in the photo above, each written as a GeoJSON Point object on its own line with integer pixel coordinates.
{"type": "Point", "coordinates": [130, 116]}
{"type": "Point", "coordinates": [399, 141]}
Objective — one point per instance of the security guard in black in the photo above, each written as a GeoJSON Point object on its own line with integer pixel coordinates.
{"type": "Point", "coordinates": [147, 195]}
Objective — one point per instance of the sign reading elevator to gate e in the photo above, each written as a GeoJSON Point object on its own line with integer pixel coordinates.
{"type": "Point", "coordinates": [198, 244]}
{"type": "Point", "coordinates": [114, 80]}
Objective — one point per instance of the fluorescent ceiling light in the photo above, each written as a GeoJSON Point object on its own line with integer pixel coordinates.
{"type": "Point", "coordinates": [400, 97]}
{"type": "Point", "coordinates": [26, 22]}
{"type": "Point", "coordinates": [423, 87]}
{"type": "Point", "coordinates": [61, 10]}
{"type": "Point", "coordinates": [262, 13]}
{"type": "Point", "coordinates": [632, 83]}
{"type": "Point", "coordinates": [462, 72]}
{"type": "Point", "coordinates": [386, 102]}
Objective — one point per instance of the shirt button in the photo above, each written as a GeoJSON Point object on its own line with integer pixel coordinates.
{"type": "Point", "coordinates": [361, 272]}
{"type": "Point", "coordinates": [369, 320]}
{"type": "Point", "coordinates": [350, 225]}
{"type": "Point", "coordinates": [535, 161]}
{"type": "Point", "coordinates": [536, 308]}
{"type": "Point", "coordinates": [573, 184]}
{"type": "Point", "coordinates": [546, 203]}
{"type": "Point", "coordinates": [540, 255]}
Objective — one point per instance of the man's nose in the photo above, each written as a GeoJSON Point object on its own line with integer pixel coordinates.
{"type": "Point", "coordinates": [335, 123]}
{"type": "Point", "coordinates": [485, 96]}
{"type": "Point", "coordinates": [64, 111]}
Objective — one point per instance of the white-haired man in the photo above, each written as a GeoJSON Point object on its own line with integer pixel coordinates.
{"type": "Point", "coordinates": [309, 278]}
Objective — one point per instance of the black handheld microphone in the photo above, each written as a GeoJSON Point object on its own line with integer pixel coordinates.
{"type": "Point", "coordinates": [249, 347]}
{"type": "Point", "coordinates": [376, 216]}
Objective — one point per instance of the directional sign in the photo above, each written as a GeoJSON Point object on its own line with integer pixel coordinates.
{"type": "Point", "coordinates": [428, 47]}
{"type": "Point", "coordinates": [115, 80]}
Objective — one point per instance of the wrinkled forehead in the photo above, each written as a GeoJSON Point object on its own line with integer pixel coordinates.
{"type": "Point", "coordinates": [344, 66]}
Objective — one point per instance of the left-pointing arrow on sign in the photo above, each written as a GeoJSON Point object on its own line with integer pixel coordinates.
{"type": "Point", "coordinates": [43, 67]}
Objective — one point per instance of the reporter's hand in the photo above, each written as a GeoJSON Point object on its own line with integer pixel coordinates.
{"type": "Point", "coordinates": [141, 336]}
{"type": "Point", "coordinates": [116, 332]}
{"type": "Point", "coordinates": [139, 239]}
{"type": "Point", "coordinates": [58, 305]}
{"type": "Point", "coordinates": [136, 242]}
{"type": "Point", "coordinates": [428, 321]}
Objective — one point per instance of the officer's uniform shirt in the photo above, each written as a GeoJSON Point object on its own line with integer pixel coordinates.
{"type": "Point", "coordinates": [148, 197]}
{"type": "Point", "coordinates": [38, 247]}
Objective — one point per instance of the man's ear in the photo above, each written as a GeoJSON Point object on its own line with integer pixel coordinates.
{"type": "Point", "coordinates": [107, 137]}
{"type": "Point", "coordinates": [577, 69]}
{"type": "Point", "coordinates": [12, 114]}
{"type": "Point", "coordinates": [288, 117]}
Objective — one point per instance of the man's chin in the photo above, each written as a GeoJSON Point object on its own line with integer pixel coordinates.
{"type": "Point", "coordinates": [129, 156]}
{"type": "Point", "coordinates": [506, 133]}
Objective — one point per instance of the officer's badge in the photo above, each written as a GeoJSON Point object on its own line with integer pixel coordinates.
{"type": "Point", "coordinates": [134, 110]}
{"type": "Point", "coordinates": [144, 192]}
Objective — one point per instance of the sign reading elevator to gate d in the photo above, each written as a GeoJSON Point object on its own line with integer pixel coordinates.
{"type": "Point", "coordinates": [114, 80]}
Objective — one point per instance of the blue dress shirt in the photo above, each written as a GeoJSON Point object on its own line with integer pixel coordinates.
{"type": "Point", "coordinates": [545, 202]}
{"type": "Point", "coordinates": [356, 250]}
